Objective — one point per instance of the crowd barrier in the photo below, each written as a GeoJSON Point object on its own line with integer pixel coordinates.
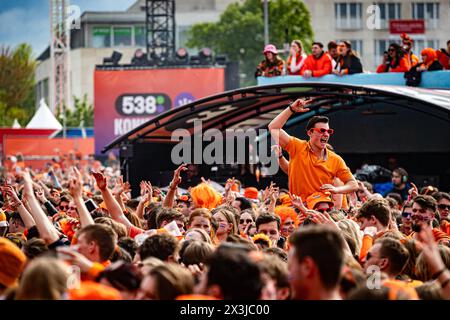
{"type": "Point", "coordinates": [431, 80]}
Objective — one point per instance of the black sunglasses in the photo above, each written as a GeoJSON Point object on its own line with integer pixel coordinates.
{"type": "Point", "coordinates": [406, 214]}
{"type": "Point", "coordinates": [443, 206]}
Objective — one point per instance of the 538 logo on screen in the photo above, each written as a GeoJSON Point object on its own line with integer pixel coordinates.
{"type": "Point", "coordinates": [142, 104]}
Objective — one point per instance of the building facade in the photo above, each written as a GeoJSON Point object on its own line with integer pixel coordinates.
{"type": "Point", "coordinates": [101, 33]}
{"type": "Point", "coordinates": [352, 20]}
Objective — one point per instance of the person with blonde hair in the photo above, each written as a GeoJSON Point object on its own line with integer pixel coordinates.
{"type": "Point", "coordinates": [43, 279]}
{"type": "Point", "coordinates": [351, 230]}
{"type": "Point", "coordinates": [226, 223]}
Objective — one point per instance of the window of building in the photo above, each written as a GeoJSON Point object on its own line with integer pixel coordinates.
{"type": "Point", "coordinates": [139, 36]}
{"type": "Point", "coordinates": [388, 11]}
{"type": "Point", "coordinates": [122, 36]}
{"type": "Point", "coordinates": [429, 11]}
{"type": "Point", "coordinates": [420, 44]}
{"type": "Point", "coordinates": [348, 15]}
{"type": "Point", "coordinates": [101, 37]}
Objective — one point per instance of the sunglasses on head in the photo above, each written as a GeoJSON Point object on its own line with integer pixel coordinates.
{"type": "Point", "coordinates": [322, 130]}
{"type": "Point", "coordinates": [443, 206]}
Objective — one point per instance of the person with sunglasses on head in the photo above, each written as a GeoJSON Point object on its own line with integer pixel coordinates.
{"type": "Point", "coordinates": [423, 212]}
{"type": "Point", "coordinates": [312, 167]}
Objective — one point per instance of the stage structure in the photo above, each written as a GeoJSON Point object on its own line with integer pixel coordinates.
{"type": "Point", "coordinates": [373, 124]}
{"type": "Point", "coordinates": [160, 25]}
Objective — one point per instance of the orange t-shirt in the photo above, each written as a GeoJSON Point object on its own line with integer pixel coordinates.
{"type": "Point", "coordinates": [307, 173]}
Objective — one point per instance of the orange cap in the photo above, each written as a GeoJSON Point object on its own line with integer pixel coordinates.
{"type": "Point", "coordinates": [12, 262]}
{"type": "Point", "coordinates": [251, 193]}
{"type": "Point", "coordinates": [286, 200]}
{"type": "Point", "coordinates": [318, 197]}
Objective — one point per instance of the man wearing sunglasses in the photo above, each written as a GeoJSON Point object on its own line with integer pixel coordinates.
{"type": "Point", "coordinates": [312, 167]}
{"type": "Point", "coordinates": [423, 212]}
{"type": "Point", "coordinates": [443, 204]}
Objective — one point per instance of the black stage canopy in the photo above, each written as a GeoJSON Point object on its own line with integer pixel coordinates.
{"type": "Point", "coordinates": [373, 124]}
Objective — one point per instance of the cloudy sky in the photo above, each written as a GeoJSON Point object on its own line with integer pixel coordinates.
{"type": "Point", "coordinates": [28, 20]}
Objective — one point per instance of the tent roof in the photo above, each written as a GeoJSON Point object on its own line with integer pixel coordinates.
{"type": "Point", "coordinates": [44, 118]}
{"type": "Point", "coordinates": [255, 107]}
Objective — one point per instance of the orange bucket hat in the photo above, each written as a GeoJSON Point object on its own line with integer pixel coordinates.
{"type": "Point", "coordinates": [318, 197]}
{"type": "Point", "coordinates": [12, 262]}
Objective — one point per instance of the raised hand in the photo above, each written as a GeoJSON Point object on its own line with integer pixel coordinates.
{"type": "Point", "coordinates": [176, 180]}
{"type": "Point", "coordinates": [300, 105]}
{"type": "Point", "coordinates": [329, 188]}
{"type": "Point", "coordinates": [75, 188]}
{"type": "Point", "coordinates": [100, 179]}
{"type": "Point", "coordinates": [297, 202]}
{"type": "Point", "coordinates": [413, 192]}
{"type": "Point", "coordinates": [229, 184]}
{"type": "Point", "coordinates": [40, 195]}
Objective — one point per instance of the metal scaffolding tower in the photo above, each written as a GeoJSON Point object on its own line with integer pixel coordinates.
{"type": "Point", "coordinates": [60, 56]}
{"type": "Point", "coordinates": [160, 25]}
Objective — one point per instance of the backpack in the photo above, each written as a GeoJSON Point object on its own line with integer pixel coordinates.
{"type": "Point", "coordinates": [413, 77]}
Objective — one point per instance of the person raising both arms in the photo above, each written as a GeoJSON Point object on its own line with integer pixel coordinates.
{"type": "Point", "coordinates": [312, 167]}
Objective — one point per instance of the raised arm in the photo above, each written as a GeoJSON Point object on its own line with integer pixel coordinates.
{"type": "Point", "coordinates": [16, 204]}
{"type": "Point", "coordinates": [47, 230]}
{"type": "Point", "coordinates": [176, 180]}
{"type": "Point", "coordinates": [111, 204]}
{"type": "Point", "coordinates": [75, 189]}
{"type": "Point", "coordinates": [280, 136]}
{"type": "Point", "coordinates": [146, 195]}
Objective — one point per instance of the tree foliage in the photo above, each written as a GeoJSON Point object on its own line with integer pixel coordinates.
{"type": "Point", "coordinates": [239, 33]}
{"type": "Point", "coordinates": [16, 84]}
{"type": "Point", "coordinates": [82, 114]}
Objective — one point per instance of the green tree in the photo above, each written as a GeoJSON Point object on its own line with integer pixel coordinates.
{"type": "Point", "coordinates": [16, 84]}
{"type": "Point", "coordinates": [239, 33]}
{"type": "Point", "coordinates": [81, 114]}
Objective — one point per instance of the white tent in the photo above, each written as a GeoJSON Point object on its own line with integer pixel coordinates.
{"type": "Point", "coordinates": [44, 118]}
{"type": "Point", "coordinates": [16, 124]}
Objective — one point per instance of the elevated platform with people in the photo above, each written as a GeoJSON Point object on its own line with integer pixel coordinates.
{"type": "Point", "coordinates": [430, 80]}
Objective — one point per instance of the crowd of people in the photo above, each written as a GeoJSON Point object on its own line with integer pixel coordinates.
{"type": "Point", "coordinates": [341, 59]}
{"type": "Point", "coordinates": [73, 231]}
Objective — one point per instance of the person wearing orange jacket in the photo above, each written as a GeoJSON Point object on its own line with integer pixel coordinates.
{"type": "Point", "coordinates": [443, 56]}
{"type": "Point", "coordinates": [316, 64]}
{"type": "Point", "coordinates": [397, 61]}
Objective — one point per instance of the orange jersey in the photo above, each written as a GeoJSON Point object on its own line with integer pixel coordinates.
{"type": "Point", "coordinates": [307, 173]}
